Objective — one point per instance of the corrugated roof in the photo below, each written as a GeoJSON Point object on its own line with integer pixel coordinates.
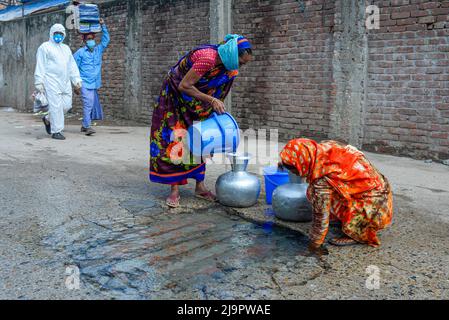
{"type": "Point", "coordinates": [30, 7]}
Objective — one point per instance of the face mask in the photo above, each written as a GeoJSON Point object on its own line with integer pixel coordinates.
{"type": "Point", "coordinates": [58, 38]}
{"type": "Point", "coordinates": [90, 44]}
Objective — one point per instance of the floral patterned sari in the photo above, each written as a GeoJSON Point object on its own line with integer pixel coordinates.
{"type": "Point", "coordinates": [344, 186]}
{"type": "Point", "coordinates": [174, 113]}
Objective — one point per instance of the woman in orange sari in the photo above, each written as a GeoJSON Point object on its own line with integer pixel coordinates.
{"type": "Point", "coordinates": [343, 186]}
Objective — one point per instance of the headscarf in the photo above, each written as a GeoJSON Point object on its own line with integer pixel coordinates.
{"type": "Point", "coordinates": [340, 165]}
{"type": "Point", "coordinates": [229, 50]}
{"type": "Point", "coordinates": [56, 28]}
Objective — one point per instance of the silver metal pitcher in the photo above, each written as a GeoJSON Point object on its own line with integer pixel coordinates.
{"type": "Point", "coordinates": [238, 188]}
{"type": "Point", "coordinates": [290, 201]}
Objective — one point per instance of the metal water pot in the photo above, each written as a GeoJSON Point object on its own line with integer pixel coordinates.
{"type": "Point", "coordinates": [238, 188]}
{"type": "Point", "coordinates": [290, 201]}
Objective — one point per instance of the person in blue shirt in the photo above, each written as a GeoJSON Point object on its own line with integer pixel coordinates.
{"type": "Point", "coordinates": [89, 61]}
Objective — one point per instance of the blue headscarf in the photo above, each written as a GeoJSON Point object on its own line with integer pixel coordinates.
{"type": "Point", "coordinates": [229, 51]}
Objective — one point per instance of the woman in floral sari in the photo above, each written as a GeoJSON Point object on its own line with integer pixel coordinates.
{"type": "Point", "coordinates": [343, 186]}
{"type": "Point", "coordinates": [193, 89]}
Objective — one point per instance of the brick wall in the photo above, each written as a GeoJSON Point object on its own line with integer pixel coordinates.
{"type": "Point", "coordinates": [407, 109]}
{"type": "Point", "coordinates": [289, 85]}
{"type": "Point", "coordinates": [113, 73]}
{"type": "Point", "coordinates": [147, 38]}
{"type": "Point", "coordinates": [301, 82]}
{"type": "Point", "coordinates": [169, 31]}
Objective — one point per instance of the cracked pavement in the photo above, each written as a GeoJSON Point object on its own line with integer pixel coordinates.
{"type": "Point", "coordinates": [87, 202]}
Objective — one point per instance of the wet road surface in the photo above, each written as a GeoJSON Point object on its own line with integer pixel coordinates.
{"type": "Point", "coordinates": [87, 203]}
{"type": "Point", "coordinates": [208, 255]}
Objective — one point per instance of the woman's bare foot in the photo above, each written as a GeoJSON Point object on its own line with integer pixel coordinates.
{"type": "Point", "coordinates": [173, 200]}
{"type": "Point", "coordinates": [343, 241]}
{"type": "Point", "coordinates": [202, 192]}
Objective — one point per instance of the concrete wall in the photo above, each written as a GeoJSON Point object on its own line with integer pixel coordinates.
{"type": "Point", "coordinates": [318, 72]}
{"type": "Point", "coordinates": [350, 59]}
{"type": "Point", "coordinates": [19, 42]}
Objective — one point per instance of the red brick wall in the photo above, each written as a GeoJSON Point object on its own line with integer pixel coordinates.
{"type": "Point", "coordinates": [407, 109]}
{"type": "Point", "coordinates": [289, 85]}
{"type": "Point", "coordinates": [169, 31]}
{"type": "Point", "coordinates": [113, 72]}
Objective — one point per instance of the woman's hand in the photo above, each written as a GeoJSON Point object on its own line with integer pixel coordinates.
{"type": "Point", "coordinates": [187, 86]}
{"type": "Point", "coordinates": [218, 106]}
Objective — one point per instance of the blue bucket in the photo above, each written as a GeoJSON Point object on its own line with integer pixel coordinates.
{"type": "Point", "coordinates": [273, 179]}
{"type": "Point", "coordinates": [218, 134]}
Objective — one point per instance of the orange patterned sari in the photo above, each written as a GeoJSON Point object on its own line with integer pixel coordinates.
{"type": "Point", "coordinates": [343, 185]}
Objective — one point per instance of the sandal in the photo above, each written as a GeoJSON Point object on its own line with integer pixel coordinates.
{"type": "Point", "coordinates": [208, 196]}
{"type": "Point", "coordinates": [173, 202]}
{"type": "Point", "coordinates": [343, 242]}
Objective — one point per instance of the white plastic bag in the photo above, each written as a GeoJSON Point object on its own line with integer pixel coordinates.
{"type": "Point", "coordinates": [40, 102]}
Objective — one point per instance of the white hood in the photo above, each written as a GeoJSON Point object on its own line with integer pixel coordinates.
{"type": "Point", "coordinates": [57, 28]}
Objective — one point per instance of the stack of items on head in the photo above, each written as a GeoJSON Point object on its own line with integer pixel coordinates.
{"type": "Point", "coordinates": [89, 18]}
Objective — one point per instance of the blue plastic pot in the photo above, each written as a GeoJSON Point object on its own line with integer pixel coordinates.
{"type": "Point", "coordinates": [218, 134]}
{"type": "Point", "coordinates": [273, 179]}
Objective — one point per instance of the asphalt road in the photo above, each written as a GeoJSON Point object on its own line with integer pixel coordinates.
{"type": "Point", "coordinates": [85, 205]}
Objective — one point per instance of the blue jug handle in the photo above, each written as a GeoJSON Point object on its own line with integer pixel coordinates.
{"type": "Point", "coordinates": [215, 116]}
{"type": "Point", "coordinates": [207, 143]}
{"type": "Point", "coordinates": [223, 133]}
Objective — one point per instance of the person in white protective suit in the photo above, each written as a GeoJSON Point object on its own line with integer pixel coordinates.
{"type": "Point", "coordinates": [56, 70]}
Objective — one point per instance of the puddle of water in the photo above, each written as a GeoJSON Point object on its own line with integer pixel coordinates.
{"type": "Point", "coordinates": [176, 254]}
